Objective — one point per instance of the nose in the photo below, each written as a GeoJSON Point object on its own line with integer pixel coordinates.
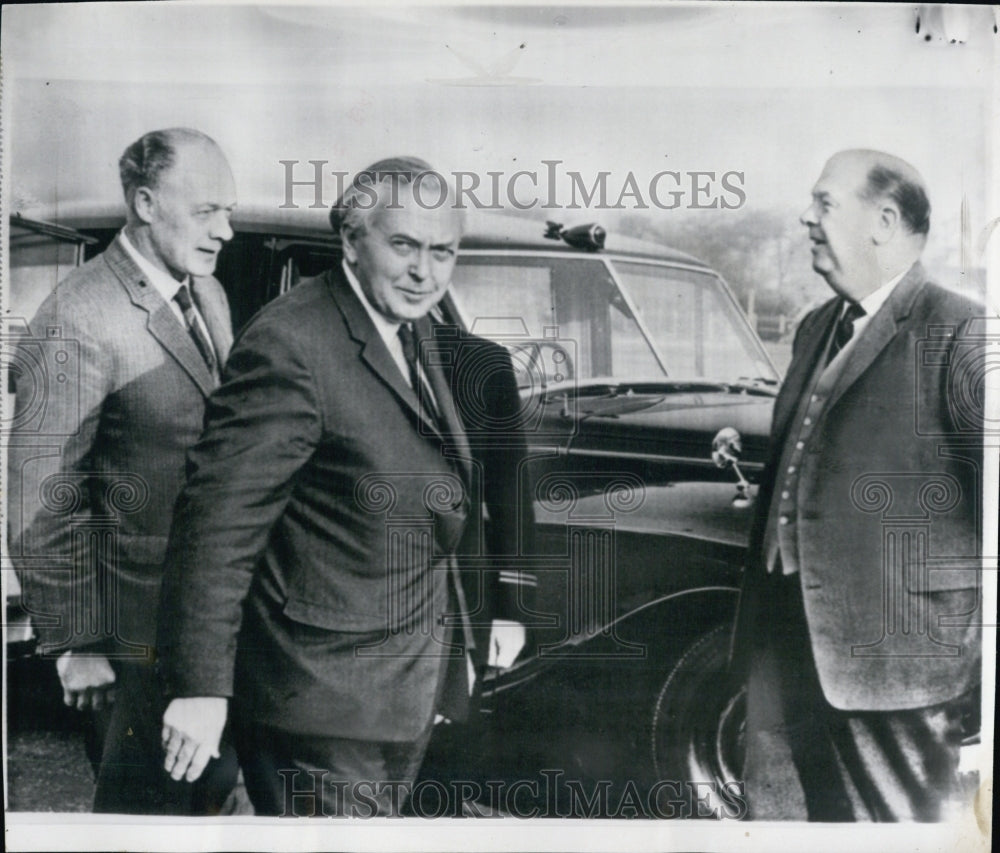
{"type": "Point", "coordinates": [808, 216]}
{"type": "Point", "coordinates": [221, 229]}
{"type": "Point", "coordinates": [421, 266]}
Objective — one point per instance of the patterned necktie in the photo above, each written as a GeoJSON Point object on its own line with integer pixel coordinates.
{"type": "Point", "coordinates": [408, 340]}
{"type": "Point", "coordinates": [845, 328]}
{"type": "Point", "coordinates": [435, 397]}
{"type": "Point", "coordinates": [183, 298]}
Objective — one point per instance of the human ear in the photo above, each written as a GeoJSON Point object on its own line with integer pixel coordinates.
{"type": "Point", "coordinates": [886, 223]}
{"type": "Point", "coordinates": [346, 241]}
{"type": "Point", "coordinates": [144, 204]}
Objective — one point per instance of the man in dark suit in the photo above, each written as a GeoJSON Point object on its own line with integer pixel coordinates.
{"type": "Point", "coordinates": [311, 574]}
{"type": "Point", "coordinates": [128, 348]}
{"type": "Point", "coordinates": [860, 611]}
{"type": "Point", "coordinates": [499, 592]}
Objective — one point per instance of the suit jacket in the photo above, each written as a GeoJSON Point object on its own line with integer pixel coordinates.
{"type": "Point", "coordinates": [111, 391]}
{"type": "Point", "coordinates": [501, 528]}
{"type": "Point", "coordinates": [310, 564]}
{"type": "Point", "coordinates": [888, 507]}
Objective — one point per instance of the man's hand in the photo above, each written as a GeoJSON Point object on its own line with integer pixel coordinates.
{"type": "Point", "coordinates": [88, 681]}
{"type": "Point", "coordinates": [506, 641]}
{"type": "Point", "coordinates": [192, 729]}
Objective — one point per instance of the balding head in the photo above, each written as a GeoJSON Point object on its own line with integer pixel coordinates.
{"type": "Point", "coordinates": [143, 163]}
{"type": "Point", "coordinates": [868, 220]}
{"type": "Point", "coordinates": [180, 194]}
{"type": "Point", "coordinates": [890, 177]}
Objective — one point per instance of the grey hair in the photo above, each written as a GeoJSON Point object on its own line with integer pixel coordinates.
{"type": "Point", "coordinates": [891, 177]}
{"type": "Point", "coordinates": [910, 197]}
{"type": "Point", "coordinates": [146, 159]}
{"type": "Point", "coordinates": [374, 187]}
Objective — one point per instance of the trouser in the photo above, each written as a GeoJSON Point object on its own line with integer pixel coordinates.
{"type": "Point", "coordinates": [291, 775]}
{"type": "Point", "coordinates": [809, 761]}
{"type": "Point", "coordinates": [131, 778]}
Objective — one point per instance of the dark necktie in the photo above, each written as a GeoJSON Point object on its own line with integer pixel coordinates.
{"type": "Point", "coordinates": [435, 397]}
{"type": "Point", "coordinates": [408, 340]}
{"type": "Point", "coordinates": [845, 328]}
{"type": "Point", "coordinates": [183, 298]}
{"type": "Point", "coordinates": [458, 447]}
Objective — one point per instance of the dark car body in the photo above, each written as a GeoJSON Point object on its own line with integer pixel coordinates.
{"type": "Point", "coordinates": [630, 357]}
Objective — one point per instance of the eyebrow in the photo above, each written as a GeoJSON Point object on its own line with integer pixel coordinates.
{"type": "Point", "coordinates": [414, 242]}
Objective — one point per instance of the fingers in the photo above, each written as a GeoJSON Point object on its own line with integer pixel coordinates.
{"type": "Point", "coordinates": [185, 759]}
{"type": "Point", "coordinates": [87, 680]}
{"type": "Point", "coordinates": [192, 728]}
{"type": "Point", "coordinates": [199, 761]}
{"type": "Point", "coordinates": [96, 698]}
{"type": "Point", "coordinates": [173, 742]}
{"type": "Point", "coordinates": [101, 698]}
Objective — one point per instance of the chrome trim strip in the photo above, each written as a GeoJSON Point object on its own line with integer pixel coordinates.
{"type": "Point", "coordinates": [687, 460]}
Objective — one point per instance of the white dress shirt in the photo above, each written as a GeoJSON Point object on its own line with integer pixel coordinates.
{"type": "Point", "coordinates": [166, 285]}
{"type": "Point", "coordinates": [871, 303]}
{"type": "Point", "coordinates": [387, 329]}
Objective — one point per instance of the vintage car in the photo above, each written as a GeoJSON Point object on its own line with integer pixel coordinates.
{"type": "Point", "coordinates": [647, 400]}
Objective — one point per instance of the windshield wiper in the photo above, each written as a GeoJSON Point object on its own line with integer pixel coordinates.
{"type": "Point", "coordinates": [759, 385]}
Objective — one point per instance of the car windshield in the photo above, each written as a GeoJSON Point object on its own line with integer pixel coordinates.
{"type": "Point", "coordinates": [589, 319]}
{"type": "Point", "coordinates": [694, 323]}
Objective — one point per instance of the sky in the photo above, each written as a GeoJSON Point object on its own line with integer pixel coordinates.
{"type": "Point", "coordinates": [769, 91]}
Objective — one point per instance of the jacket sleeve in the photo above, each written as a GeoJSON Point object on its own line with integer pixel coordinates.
{"type": "Point", "coordinates": [62, 374]}
{"type": "Point", "coordinates": [485, 389]}
{"type": "Point", "coordinates": [806, 329]}
{"type": "Point", "coordinates": [262, 426]}
{"type": "Point", "coordinates": [508, 495]}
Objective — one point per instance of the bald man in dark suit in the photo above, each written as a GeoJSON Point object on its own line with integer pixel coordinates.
{"type": "Point", "coordinates": [860, 614]}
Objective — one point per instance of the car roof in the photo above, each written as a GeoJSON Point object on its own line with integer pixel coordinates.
{"type": "Point", "coordinates": [484, 230]}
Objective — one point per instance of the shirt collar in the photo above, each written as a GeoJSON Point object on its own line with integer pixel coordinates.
{"type": "Point", "coordinates": [386, 328]}
{"type": "Point", "coordinates": [874, 300]}
{"type": "Point", "coordinates": [165, 284]}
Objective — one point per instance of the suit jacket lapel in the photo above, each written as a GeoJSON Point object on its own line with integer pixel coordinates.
{"type": "Point", "coordinates": [446, 403]}
{"type": "Point", "coordinates": [880, 330]}
{"type": "Point", "coordinates": [803, 365]}
{"type": "Point", "coordinates": [373, 349]}
{"type": "Point", "coordinates": [161, 321]}
{"type": "Point", "coordinates": [215, 315]}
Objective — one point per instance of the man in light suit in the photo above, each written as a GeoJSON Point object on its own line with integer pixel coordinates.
{"type": "Point", "coordinates": [129, 347]}
{"type": "Point", "coordinates": [859, 613]}
{"type": "Point", "coordinates": [311, 576]}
